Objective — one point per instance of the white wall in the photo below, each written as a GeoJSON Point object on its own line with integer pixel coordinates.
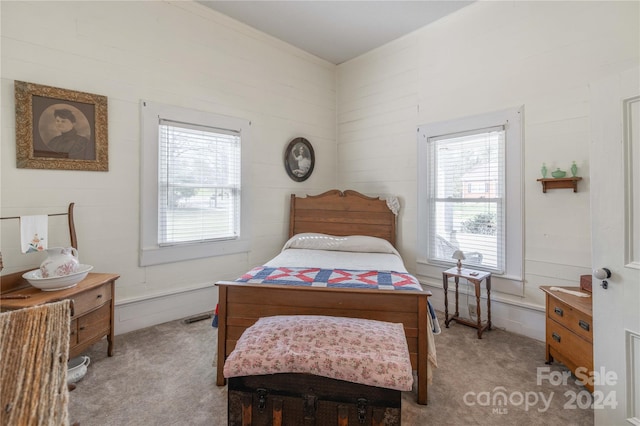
{"type": "Point", "coordinates": [487, 57]}
{"type": "Point", "coordinates": [178, 53]}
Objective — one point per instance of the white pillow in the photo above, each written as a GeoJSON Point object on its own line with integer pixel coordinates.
{"type": "Point", "coordinates": [352, 243]}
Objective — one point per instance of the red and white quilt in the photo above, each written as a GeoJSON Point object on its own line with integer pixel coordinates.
{"type": "Point", "coordinates": [319, 277]}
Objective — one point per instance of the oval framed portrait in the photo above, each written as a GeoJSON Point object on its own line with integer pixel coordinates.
{"type": "Point", "coordinates": [299, 159]}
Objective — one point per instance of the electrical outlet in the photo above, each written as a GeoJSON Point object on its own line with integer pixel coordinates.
{"type": "Point", "coordinates": [472, 310]}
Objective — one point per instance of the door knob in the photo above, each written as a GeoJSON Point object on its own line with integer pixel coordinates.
{"type": "Point", "coordinates": [603, 274]}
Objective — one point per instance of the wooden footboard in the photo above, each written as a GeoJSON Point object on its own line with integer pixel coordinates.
{"type": "Point", "coordinates": [241, 304]}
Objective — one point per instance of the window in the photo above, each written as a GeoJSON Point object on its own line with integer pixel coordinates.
{"type": "Point", "coordinates": [193, 197]}
{"type": "Point", "coordinates": [470, 195]}
{"type": "Point", "coordinates": [472, 222]}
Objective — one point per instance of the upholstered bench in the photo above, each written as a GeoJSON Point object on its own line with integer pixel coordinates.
{"type": "Point", "coordinates": [296, 370]}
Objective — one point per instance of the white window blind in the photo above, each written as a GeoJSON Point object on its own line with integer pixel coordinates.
{"type": "Point", "coordinates": [194, 194]}
{"type": "Point", "coordinates": [198, 183]}
{"type": "Point", "coordinates": [466, 197]}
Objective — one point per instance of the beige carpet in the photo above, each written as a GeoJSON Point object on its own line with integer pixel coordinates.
{"type": "Point", "coordinates": [162, 375]}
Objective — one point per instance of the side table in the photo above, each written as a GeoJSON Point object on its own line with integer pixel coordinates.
{"type": "Point", "coordinates": [92, 302]}
{"type": "Point", "coordinates": [476, 278]}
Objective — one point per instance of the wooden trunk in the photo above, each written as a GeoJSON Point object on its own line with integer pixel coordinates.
{"type": "Point", "coordinates": [242, 304]}
{"type": "Point", "coordinates": [304, 399]}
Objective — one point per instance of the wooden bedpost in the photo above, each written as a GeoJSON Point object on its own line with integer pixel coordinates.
{"type": "Point", "coordinates": [423, 349]}
{"type": "Point", "coordinates": [222, 334]}
{"type": "Point", "coordinates": [292, 217]}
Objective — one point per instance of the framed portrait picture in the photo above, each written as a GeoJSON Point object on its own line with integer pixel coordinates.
{"type": "Point", "coordinates": [60, 129]}
{"type": "Point", "coordinates": [299, 159]}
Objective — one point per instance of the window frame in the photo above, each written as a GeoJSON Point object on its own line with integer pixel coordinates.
{"type": "Point", "coordinates": [151, 253]}
{"type": "Point", "coordinates": [512, 279]}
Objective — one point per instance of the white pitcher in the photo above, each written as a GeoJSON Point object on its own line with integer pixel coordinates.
{"type": "Point", "coordinates": [60, 262]}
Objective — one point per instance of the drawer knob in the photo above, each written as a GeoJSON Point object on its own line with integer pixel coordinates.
{"type": "Point", "coordinates": [584, 325]}
{"type": "Point", "coordinates": [558, 311]}
{"type": "Point", "coordinates": [556, 337]}
{"type": "Point", "coordinates": [99, 296]}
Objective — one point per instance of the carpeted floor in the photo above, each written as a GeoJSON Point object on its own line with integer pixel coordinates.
{"type": "Point", "coordinates": [163, 375]}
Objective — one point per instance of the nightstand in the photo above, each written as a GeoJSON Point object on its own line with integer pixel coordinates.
{"type": "Point", "coordinates": [475, 278]}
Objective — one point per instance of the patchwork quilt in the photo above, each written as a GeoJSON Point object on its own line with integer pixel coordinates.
{"type": "Point", "coordinates": [318, 277]}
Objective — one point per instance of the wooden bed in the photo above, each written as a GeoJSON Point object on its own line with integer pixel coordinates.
{"type": "Point", "coordinates": [337, 213]}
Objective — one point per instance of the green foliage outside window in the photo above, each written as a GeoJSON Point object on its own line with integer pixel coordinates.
{"type": "Point", "coordinates": [483, 223]}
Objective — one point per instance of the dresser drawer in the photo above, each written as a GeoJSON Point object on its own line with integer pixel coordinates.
{"type": "Point", "coordinates": [91, 299]}
{"type": "Point", "coordinates": [96, 323]}
{"type": "Point", "coordinates": [73, 333]}
{"type": "Point", "coordinates": [574, 349]}
{"type": "Point", "coordinates": [576, 321]}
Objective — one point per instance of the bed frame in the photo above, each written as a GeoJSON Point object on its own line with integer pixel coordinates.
{"type": "Point", "coordinates": [337, 213]}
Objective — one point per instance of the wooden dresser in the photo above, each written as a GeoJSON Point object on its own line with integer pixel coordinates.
{"type": "Point", "coordinates": [92, 308]}
{"type": "Point", "coordinates": [569, 336]}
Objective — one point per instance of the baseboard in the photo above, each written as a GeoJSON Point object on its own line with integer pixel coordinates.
{"type": "Point", "coordinates": [130, 315]}
{"type": "Point", "coordinates": [134, 314]}
{"type": "Point", "coordinates": [519, 318]}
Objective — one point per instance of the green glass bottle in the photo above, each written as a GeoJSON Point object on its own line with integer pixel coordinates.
{"type": "Point", "coordinates": [574, 169]}
{"type": "Point", "coordinates": [543, 170]}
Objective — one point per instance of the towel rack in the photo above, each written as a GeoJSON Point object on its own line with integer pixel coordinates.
{"type": "Point", "coordinates": [14, 281]}
{"type": "Point", "coordinates": [72, 227]}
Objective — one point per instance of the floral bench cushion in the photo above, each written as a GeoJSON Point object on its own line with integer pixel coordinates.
{"type": "Point", "coordinates": [362, 351]}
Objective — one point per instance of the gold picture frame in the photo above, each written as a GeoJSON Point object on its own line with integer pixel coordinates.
{"type": "Point", "coordinates": [60, 129]}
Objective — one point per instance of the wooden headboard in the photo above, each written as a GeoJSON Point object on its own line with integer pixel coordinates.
{"type": "Point", "coordinates": [342, 213]}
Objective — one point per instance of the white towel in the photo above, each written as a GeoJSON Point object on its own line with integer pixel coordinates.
{"type": "Point", "coordinates": [575, 293]}
{"type": "Point", "coordinates": [34, 233]}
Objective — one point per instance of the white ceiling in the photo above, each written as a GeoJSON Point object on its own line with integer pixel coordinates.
{"type": "Point", "coordinates": [337, 30]}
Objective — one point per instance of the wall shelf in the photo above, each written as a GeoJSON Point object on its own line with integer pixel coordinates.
{"type": "Point", "coordinates": [557, 183]}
